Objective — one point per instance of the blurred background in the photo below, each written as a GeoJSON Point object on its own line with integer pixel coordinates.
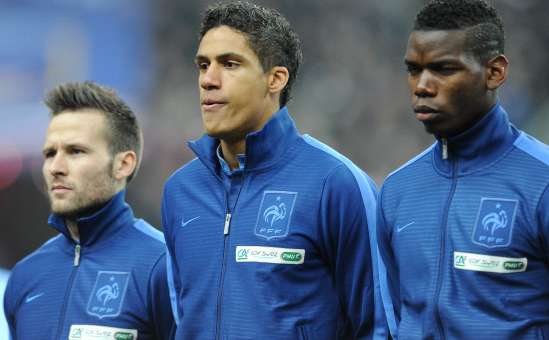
{"type": "Point", "coordinates": [351, 93]}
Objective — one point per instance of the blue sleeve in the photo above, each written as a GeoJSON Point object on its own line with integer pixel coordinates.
{"type": "Point", "coordinates": [391, 293]}
{"type": "Point", "coordinates": [543, 218]}
{"type": "Point", "coordinates": [174, 284]}
{"type": "Point", "coordinates": [346, 213]}
{"type": "Point", "coordinates": [159, 300]}
{"type": "Point", "coordinates": [9, 309]}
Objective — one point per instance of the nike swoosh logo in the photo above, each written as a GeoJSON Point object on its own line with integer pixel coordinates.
{"type": "Point", "coordinates": [399, 229]}
{"type": "Point", "coordinates": [32, 298]}
{"type": "Point", "coordinates": [184, 223]}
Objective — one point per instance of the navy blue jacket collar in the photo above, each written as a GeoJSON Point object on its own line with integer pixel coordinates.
{"type": "Point", "coordinates": [109, 219]}
{"type": "Point", "coordinates": [480, 146]}
{"type": "Point", "coordinates": [264, 148]}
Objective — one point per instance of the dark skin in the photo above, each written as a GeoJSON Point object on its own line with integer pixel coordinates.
{"type": "Point", "coordinates": [451, 88]}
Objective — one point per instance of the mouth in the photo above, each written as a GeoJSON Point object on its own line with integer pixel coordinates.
{"type": "Point", "coordinates": [425, 113]}
{"type": "Point", "coordinates": [212, 104]}
{"type": "Point", "coordinates": [59, 189]}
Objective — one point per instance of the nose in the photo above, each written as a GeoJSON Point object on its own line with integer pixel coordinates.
{"type": "Point", "coordinates": [425, 86]}
{"type": "Point", "coordinates": [210, 78]}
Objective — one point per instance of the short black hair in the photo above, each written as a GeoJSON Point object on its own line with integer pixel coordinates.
{"type": "Point", "coordinates": [269, 33]}
{"type": "Point", "coordinates": [124, 133]}
{"type": "Point", "coordinates": [485, 36]}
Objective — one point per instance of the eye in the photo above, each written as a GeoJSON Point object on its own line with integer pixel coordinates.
{"type": "Point", "coordinates": [413, 70]}
{"type": "Point", "coordinates": [76, 151]}
{"type": "Point", "coordinates": [445, 70]}
{"type": "Point", "coordinates": [230, 64]}
{"type": "Point", "coordinates": [49, 153]}
{"type": "Point", "coordinates": [202, 65]}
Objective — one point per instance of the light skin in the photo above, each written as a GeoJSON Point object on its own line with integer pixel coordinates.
{"type": "Point", "coordinates": [80, 173]}
{"type": "Point", "coordinates": [451, 89]}
{"type": "Point", "coordinates": [237, 96]}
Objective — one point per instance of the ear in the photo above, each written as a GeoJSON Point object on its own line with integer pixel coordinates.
{"type": "Point", "coordinates": [124, 164]}
{"type": "Point", "coordinates": [278, 78]}
{"type": "Point", "coordinates": [496, 72]}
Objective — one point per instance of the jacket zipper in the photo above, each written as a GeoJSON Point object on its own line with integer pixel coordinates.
{"type": "Point", "coordinates": [443, 235]}
{"type": "Point", "coordinates": [76, 264]}
{"type": "Point", "coordinates": [226, 230]}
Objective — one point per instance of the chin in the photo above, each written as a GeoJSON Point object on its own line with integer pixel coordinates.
{"type": "Point", "coordinates": [64, 210]}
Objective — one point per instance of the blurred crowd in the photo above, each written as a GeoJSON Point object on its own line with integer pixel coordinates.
{"type": "Point", "coordinates": [351, 92]}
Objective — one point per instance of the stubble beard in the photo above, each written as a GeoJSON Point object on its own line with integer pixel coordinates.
{"type": "Point", "coordinates": [87, 199]}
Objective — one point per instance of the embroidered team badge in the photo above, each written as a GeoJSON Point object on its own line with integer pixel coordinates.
{"type": "Point", "coordinates": [108, 294]}
{"type": "Point", "coordinates": [275, 214]}
{"type": "Point", "coordinates": [494, 224]}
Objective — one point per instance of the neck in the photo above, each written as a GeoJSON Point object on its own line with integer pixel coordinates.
{"type": "Point", "coordinates": [73, 230]}
{"type": "Point", "coordinates": [231, 149]}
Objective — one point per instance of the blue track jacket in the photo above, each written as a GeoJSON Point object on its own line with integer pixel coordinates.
{"type": "Point", "coordinates": [466, 238]}
{"type": "Point", "coordinates": [4, 331]}
{"type": "Point", "coordinates": [112, 285]}
{"type": "Point", "coordinates": [278, 250]}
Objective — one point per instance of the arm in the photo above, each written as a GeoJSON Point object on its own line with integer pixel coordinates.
{"type": "Point", "coordinates": [389, 269]}
{"type": "Point", "coordinates": [347, 215]}
{"type": "Point", "coordinates": [9, 309]}
{"type": "Point", "coordinates": [543, 218]}
{"type": "Point", "coordinates": [171, 264]}
{"type": "Point", "coordinates": [159, 301]}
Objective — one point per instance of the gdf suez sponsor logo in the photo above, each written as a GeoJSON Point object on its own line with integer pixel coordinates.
{"type": "Point", "coordinates": [489, 263]}
{"type": "Point", "coordinates": [269, 255]}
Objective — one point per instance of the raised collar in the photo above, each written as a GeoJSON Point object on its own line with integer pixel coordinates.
{"type": "Point", "coordinates": [98, 226]}
{"type": "Point", "coordinates": [478, 147]}
{"type": "Point", "coordinates": [264, 148]}
{"type": "Point", "coordinates": [241, 158]}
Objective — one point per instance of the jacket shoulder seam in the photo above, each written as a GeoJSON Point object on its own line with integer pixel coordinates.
{"type": "Point", "coordinates": [411, 161]}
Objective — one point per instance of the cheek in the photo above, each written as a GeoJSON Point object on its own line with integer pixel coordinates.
{"type": "Point", "coordinates": [465, 96]}
{"type": "Point", "coordinates": [411, 84]}
{"type": "Point", "coordinates": [45, 172]}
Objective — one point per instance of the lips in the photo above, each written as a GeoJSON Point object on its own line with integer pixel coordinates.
{"type": "Point", "coordinates": [210, 104]}
{"type": "Point", "coordinates": [425, 113]}
{"type": "Point", "coordinates": [60, 188]}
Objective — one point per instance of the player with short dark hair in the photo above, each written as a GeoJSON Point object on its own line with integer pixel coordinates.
{"type": "Point", "coordinates": [268, 230]}
{"type": "Point", "coordinates": [104, 276]}
{"type": "Point", "coordinates": [464, 226]}
{"type": "Point", "coordinates": [269, 34]}
{"type": "Point", "coordinates": [123, 131]}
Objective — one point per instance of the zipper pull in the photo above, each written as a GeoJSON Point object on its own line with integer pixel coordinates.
{"type": "Point", "coordinates": [444, 148]}
{"type": "Point", "coordinates": [77, 255]}
{"type": "Point", "coordinates": [227, 223]}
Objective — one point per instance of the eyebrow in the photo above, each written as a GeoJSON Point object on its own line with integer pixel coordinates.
{"type": "Point", "coordinates": [223, 56]}
{"type": "Point", "coordinates": [73, 145]}
{"type": "Point", "coordinates": [434, 63]}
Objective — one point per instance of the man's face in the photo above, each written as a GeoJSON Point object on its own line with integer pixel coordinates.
{"type": "Point", "coordinates": [447, 84]}
{"type": "Point", "coordinates": [77, 163]}
{"type": "Point", "coordinates": [233, 86]}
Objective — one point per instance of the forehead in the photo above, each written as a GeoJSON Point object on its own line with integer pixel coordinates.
{"type": "Point", "coordinates": [434, 45]}
{"type": "Point", "coordinates": [82, 126]}
{"type": "Point", "coordinates": [223, 40]}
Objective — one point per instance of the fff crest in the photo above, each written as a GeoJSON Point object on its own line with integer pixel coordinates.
{"type": "Point", "coordinates": [275, 214]}
{"type": "Point", "coordinates": [108, 294]}
{"type": "Point", "coordinates": [494, 224]}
